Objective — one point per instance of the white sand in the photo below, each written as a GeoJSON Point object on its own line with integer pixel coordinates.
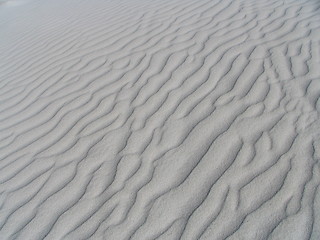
{"type": "Point", "coordinates": [159, 119]}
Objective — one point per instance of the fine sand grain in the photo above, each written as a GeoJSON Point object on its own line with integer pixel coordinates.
{"type": "Point", "coordinates": [160, 119]}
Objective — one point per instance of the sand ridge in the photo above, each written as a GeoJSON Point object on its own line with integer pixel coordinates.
{"type": "Point", "coordinates": [159, 119]}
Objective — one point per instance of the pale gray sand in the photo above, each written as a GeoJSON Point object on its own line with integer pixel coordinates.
{"type": "Point", "coordinates": [164, 119]}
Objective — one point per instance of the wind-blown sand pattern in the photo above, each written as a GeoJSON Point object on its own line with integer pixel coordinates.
{"type": "Point", "coordinates": [170, 119]}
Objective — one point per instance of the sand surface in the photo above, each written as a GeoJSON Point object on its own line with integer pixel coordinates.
{"type": "Point", "coordinates": [159, 119]}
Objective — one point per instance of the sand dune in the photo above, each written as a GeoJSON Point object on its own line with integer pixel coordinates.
{"type": "Point", "coordinates": [150, 119]}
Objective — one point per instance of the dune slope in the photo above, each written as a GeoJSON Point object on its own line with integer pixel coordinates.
{"type": "Point", "coordinates": [170, 119]}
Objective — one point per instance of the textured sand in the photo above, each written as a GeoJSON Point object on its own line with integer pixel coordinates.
{"type": "Point", "coordinates": [159, 119]}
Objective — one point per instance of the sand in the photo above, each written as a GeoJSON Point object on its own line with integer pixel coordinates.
{"type": "Point", "coordinates": [167, 119]}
